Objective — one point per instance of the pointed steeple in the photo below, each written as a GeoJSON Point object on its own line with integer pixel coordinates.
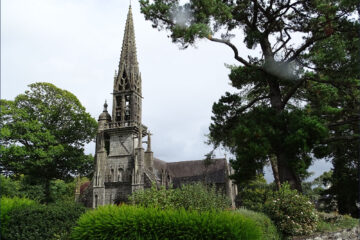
{"type": "Point", "coordinates": [127, 81]}
{"type": "Point", "coordinates": [128, 58]}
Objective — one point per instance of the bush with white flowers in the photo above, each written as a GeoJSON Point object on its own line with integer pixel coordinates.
{"type": "Point", "coordinates": [292, 212]}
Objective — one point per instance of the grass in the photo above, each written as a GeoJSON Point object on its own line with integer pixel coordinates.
{"type": "Point", "coordinates": [332, 222]}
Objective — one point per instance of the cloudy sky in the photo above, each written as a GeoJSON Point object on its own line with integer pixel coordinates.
{"type": "Point", "coordinates": [75, 44]}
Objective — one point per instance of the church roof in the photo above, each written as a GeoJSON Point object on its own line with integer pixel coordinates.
{"type": "Point", "coordinates": [192, 171]}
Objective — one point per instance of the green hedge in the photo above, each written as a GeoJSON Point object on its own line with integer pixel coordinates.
{"type": "Point", "coordinates": [131, 222]}
{"type": "Point", "coordinates": [264, 222]}
{"type": "Point", "coordinates": [9, 204]}
{"type": "Point", "coordinates": [195, 196]}
{"type": "Point", "coordinates": [53, 221]}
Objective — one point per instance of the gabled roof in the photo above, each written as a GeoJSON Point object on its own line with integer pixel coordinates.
{"type": "Point", "coordinates": [196, 170]}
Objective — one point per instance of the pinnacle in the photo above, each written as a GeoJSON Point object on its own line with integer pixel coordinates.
{"type": "Point", "coordinates": [128, 56]}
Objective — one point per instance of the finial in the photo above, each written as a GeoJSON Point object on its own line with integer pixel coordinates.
{"type": "Point", "coordinates": [105, 106]}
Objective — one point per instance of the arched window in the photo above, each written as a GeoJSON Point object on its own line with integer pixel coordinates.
{"type": "Point", "coordinates": [112, 176]}
{"type": "Point", "coordinates": [120, 175]}
{"type": "Point", "coordinates": [96, 200]}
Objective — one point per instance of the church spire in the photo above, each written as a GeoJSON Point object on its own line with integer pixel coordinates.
{"type": "Point", "coordinates": [127, 81]}
{"type": "Point", "coordinates": [128, 57]}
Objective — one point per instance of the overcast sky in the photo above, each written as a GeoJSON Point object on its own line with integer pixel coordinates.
{"type": "Point", "coordinates": [76, 44]}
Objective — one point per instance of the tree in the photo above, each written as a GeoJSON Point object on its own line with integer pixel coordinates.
{"type": "Point", "coordinates": [271, 86]}
{"type": "Point", "coordinates": [43, 133]}
{"type": "Point", "coordinates": [337, 61]}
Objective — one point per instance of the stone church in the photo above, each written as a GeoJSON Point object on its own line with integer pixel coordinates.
{"type": "Point", "coordinates": [122, 165]}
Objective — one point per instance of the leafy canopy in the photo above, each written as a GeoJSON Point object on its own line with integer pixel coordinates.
{"type": "Point", "coordinates": [43, 133]}
{"type": "Point", "coordinates": [267, 117]}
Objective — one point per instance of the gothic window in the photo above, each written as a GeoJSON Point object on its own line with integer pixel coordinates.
{"type": "Point", "coordinates": [127, 85]}
{"type": "Point", "coordinates": [118, 116]}
{"type": "Point", "coordinates": [120, 174]}
{"type": "Point", "coordinates": [107, 143]}
{"type": "Point", "coordinates": [118, 101]}
{"type": "Point", "coordinates": [96, 200]}
{"type": "Point", "coordinates": [112, 176]}
{"type": "Point", "coordinates": [123, 82]}
{"type": "Point", "coordinates": [118, 109]}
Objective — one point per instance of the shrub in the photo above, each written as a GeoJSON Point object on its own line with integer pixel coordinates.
{"type": "Point", "coordinates": [190, 197]}
{"type": "Point", "coordinates": [53, 221]}
{"type": "Point", "coordinates": [292, 213]}
{"type": "Point", "coordinates": [267, 227]}
{"type": "Point", "coordinates": [9, 188]}
{"type": "Point", "coordinates": [27, 187]}
{"type": "Point", "coordinates": [132, 222]}
{"type": "Point", "coordinates": [253, 194]}
{"type": "Point", "coordinates": [8, 204]}
{"type": "Point", "coordinates": [330, 222]}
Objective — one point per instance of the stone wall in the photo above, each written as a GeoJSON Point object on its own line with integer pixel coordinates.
{"type": "Point", "coordinates": [347, 234]}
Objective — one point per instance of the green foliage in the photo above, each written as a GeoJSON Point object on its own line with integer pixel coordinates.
{"type": "Point", "coordinates": [264, 222]}
{"type": "Point", "coordinates": [26, 187]}
{"type": "Point", "coordinates": [53, 221]}
{"type": "Point", "coordinates": [190, 197]}
{"type": "Point", "coordinates": [43, 133]}
{"type": "Point", "coordinates": [336, 98]}
{"type": "Point", "coordinates": [254, 136]}
{"type": "Point", "coordinates": [9, 204]}
{"type": "Point", "coordinates": [9, 188]}
{"type": "Point", "coordinates": [253, 195]}
{"type": "Point", "coordinates": [318, 192]}
{"type": "Point", "coordinates": [292, 213]}
{"type": "Point", "coordinates": [130, 222]}
{"type": "Point", "coordinates": [267, 117]}
{"type": "Point", "coordinates": [331, 222]}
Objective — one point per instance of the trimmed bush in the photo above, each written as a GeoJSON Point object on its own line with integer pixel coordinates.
{"type": "Point", "coordinates": [190, 197]}
{"type": "Point", "coordinates": [131, 222]}
{"type": "Point", "coordinates": [9, 204]}
{"type": "Point", "coordinates": [292, 213]}
{"type": "Point", "coordinates": [267, 227]}
{"type": "Point", "coordinates": [53, 221]}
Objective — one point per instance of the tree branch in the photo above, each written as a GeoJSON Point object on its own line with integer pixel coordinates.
{"type": "Point", "coordinates": [307, 44]}
{"type": "Point", "coordinates": [355, 120]}
{"type": "Point", "coordinates": [284, 42]}
{"type": "Point", "coordinates": [341, 138]}
{"type": "Point", "coordinates": [233, 47]}
{"type": "Point", "coordinates": [251, 103]}
{"type": "Point", "coordinates": [292, 91]}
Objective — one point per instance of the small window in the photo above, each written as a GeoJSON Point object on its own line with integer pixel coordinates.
{"type": "Point", "coordinates": [112, 175]}
{"type": "Point", "coordinates": [120, 174]}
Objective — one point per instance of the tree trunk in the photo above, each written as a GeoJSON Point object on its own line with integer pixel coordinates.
{"type": "Point", "coordinates": [287, 174]}
{"type": "Point", "coordinates": [47, 191]}
{"type": "Point", "coordinates": [275, 170]}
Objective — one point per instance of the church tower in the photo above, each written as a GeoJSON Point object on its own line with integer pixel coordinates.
{"type": "Point", "coordinates": [120, 161]}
